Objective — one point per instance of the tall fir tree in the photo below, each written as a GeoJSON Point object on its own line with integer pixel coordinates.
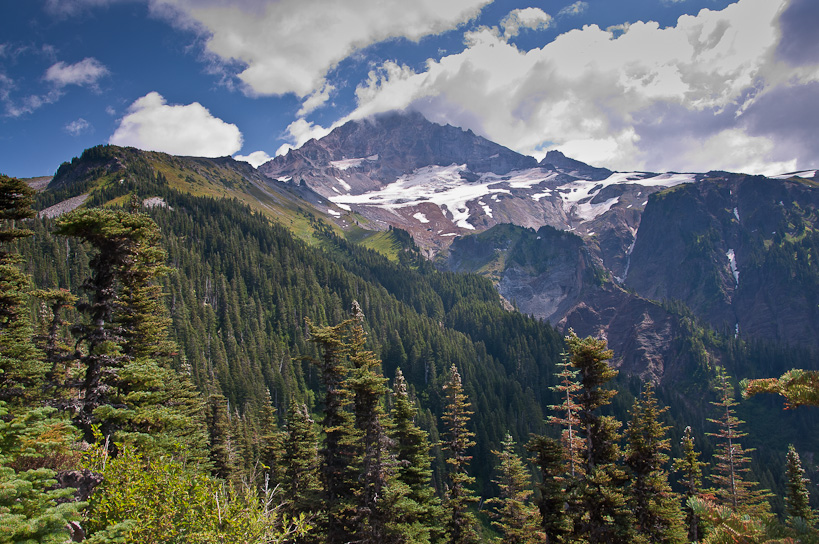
{"type": "Point", "coordinates": [601, 514]}
{"type": "Point", "coordinates": [368, 389]}
{"type": "Point", "coordinates": [690, 467]}
{"type": "Point", "coordinates": [340, 453]}
{"type": "Point", "coordinates": [797, 504]}
{"type": "Point", "coordinates": [733, 487]}
{"type": "Point", "coordinates": [301, 482]}
{"type": "Point", "coordinates": [414, 464]}
{"type": "Point", "coordinates": [549, 457]}
{"type": "Point", "coordinates": [129, 386]}
{"type": "Point", "coordinates": [567, 390]}
{"type": "Point", "coordinates": [461, 524]}
{"type": "Point", "coordinates": [655, 506]}
{"type": "Point", "coordinates": [22, 368]}
{"type": "Point", "coordinates": [515, 518]}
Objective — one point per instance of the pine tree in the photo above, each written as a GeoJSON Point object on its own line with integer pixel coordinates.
{"type": "Point", "coordinates": [339, 455]}
{"type": "Point", "coordinates": [128, 385]}
{"type": "Point", "coordinates": [654, 505]}
{"type": "Point", "coordinates": [691, 468]}
{"type": "Point", "coordinates": [567, 390]}
{"type": "Point", "coordinates": [600, 511]}
{"type": "Point", "coordinates": [460, 522]}
{"type": "Point", "coordinates": [733, 489]}
{"type": "Point", "coordinates": [516, 519]}
{"type": "Point", "coordinates": [301, 483]}
{"type": "Point", "coordinates": [550, 459]}
{"type": "Point", "coordinates": [22, 368]}
{"type": "Point", "coordinates": [414, 463]}
{"type": "Point", "coordinates": [797, 500]}
{"type": "Point", "coordinates": [368, 388]}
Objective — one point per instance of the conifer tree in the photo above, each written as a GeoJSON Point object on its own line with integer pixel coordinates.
{"type": "Point", "coordinates": [691, 468]}
{"type": "Point", "coordinates": [339, 464]}
{"type": "Point", "coordinates": [412, 456]}
{"type": "Point", "coordinates": [460, 522]}
{"type": "Point", "coordinates": [797, 499]}
{"type": "Point", "coordinates": [516, 519]}
{"type": "Point", "coordinates": [128, 385]}
{"type": "Point", "coordinates": [550, 459]}
{"type": "Point", "coordinates": [567, 390]}
{"type": "Point", "coordinates": [368, 389]}
{"type": "Point", "coordinates": [654, 505]}
{"type": "Point", "coordinates": [301, 483]}
{"type": "Point", "coordinates": [600, 511]}
{"type": "Point", "coordinates": [733, 489]}
{"type": "Point", "coordinates": [22, 368]}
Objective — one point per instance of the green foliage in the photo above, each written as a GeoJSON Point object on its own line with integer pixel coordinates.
{"type": "Point", "coordinates": [799, 387]}
{"type": "Point", "coordinates": [655, 507]}
{"type": "Point", "coordinates": [32, 508]}
{"type": "Point", "coordinates": [690, 467]}
{"type": "Point", "coordinates": [733, 488]}
{"type": "Point", "coordinates": [460, 522]}
{"type": "Point", "coordinates": [516, 518]}
{"type": "Point", "coordinates": [798, 499]}
{"type": "Point", "coordinates": [163, 500]}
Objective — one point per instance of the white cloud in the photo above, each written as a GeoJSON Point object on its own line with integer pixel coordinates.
{"type": "Point", "coordinates": [288, 46]}
{"type": "Point", "coordinates": [80, 126]}
{"type": "Point", "coordinates": [316, 100]}
{"type": "Point", "coordinates": [84, 73]}
{"type": "Point", "coordinates": [256, 159]}
{"type": "Point", "coordinates": [601, 94]}
{"type": "Point", "coordinates": [531, 18]}
{"type": "Point", "coordinates": [153, 125]}
{"type": "Point", "coordinates": [574, 9]}
{"type": "Point", "coordinates": [301, 131]}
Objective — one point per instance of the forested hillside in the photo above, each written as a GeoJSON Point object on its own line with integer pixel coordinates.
{"type": "Point", "coordinates": [200, 347]}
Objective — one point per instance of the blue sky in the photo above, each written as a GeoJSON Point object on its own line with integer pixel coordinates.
{"type": "Point", "coordinates": [684, 85]}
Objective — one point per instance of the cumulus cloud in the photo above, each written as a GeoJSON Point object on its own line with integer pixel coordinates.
{"type": "Point", "coordinates": [256, 159]}
{"type": "Point", "coordinates": [80, 126]}
{"type": "Point", "coordinates": [316, 100]}
{"type": "Point", "coordinates": [85, 73]}
{"type": "Point", "coordinates": [574, 9]}
{"type": "Point", "coordinates": [154, 125]}
{"type": "Point", "coordinates": [301, 131]}
{"type": "Point", "coordinates": [635, 96]}
{"type": "Point", "coordinates": [288, 46]}
{"type": "Point", "coordinates": [531, 18]}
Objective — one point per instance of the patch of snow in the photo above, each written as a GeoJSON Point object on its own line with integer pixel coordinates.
{"type": "Point", "coordinates": [420, 217]}
{"type": "Point", "coordinates": [346, 164]}
{"type": "Point", "coordinates": [538, 196]}
{"type": "Point", "coordinates": [336, 190]}
{"type": "Point", "coordinates": [629, 206]}
{"type": "Point", "coordinates": [344, 207]}
{"type": "Point", "coordinates": [732, 262]}
{"type": "Point", "coordinates": [334, 213]}
{"type": "Point", "coordinates": [644, 203]}
{"type": "Point", "coordinates": [284, 179]}
{"type": "Point", "coordinates": [344, 184]}
{"type": "Point", "coordinates": [736, 213]}
{"type": "Point", "coordinates": [450, 234]}
{"type": "Point", "coordinates": [588, 211]}
{"type": "Point", "coordinates": [486, 209]}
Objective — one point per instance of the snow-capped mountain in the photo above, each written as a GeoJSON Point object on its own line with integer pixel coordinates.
{"type": "Point", "coordinates": [600, 251]}
{"type": "Point", "coordinates": [439, 182]}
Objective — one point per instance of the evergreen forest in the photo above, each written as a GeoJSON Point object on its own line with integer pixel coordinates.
{"type": "Point", "coordinates": [195, 372]}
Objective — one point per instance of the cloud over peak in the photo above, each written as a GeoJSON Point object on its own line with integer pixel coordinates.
{"type": "Point", "coordinates": [154, 125]}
